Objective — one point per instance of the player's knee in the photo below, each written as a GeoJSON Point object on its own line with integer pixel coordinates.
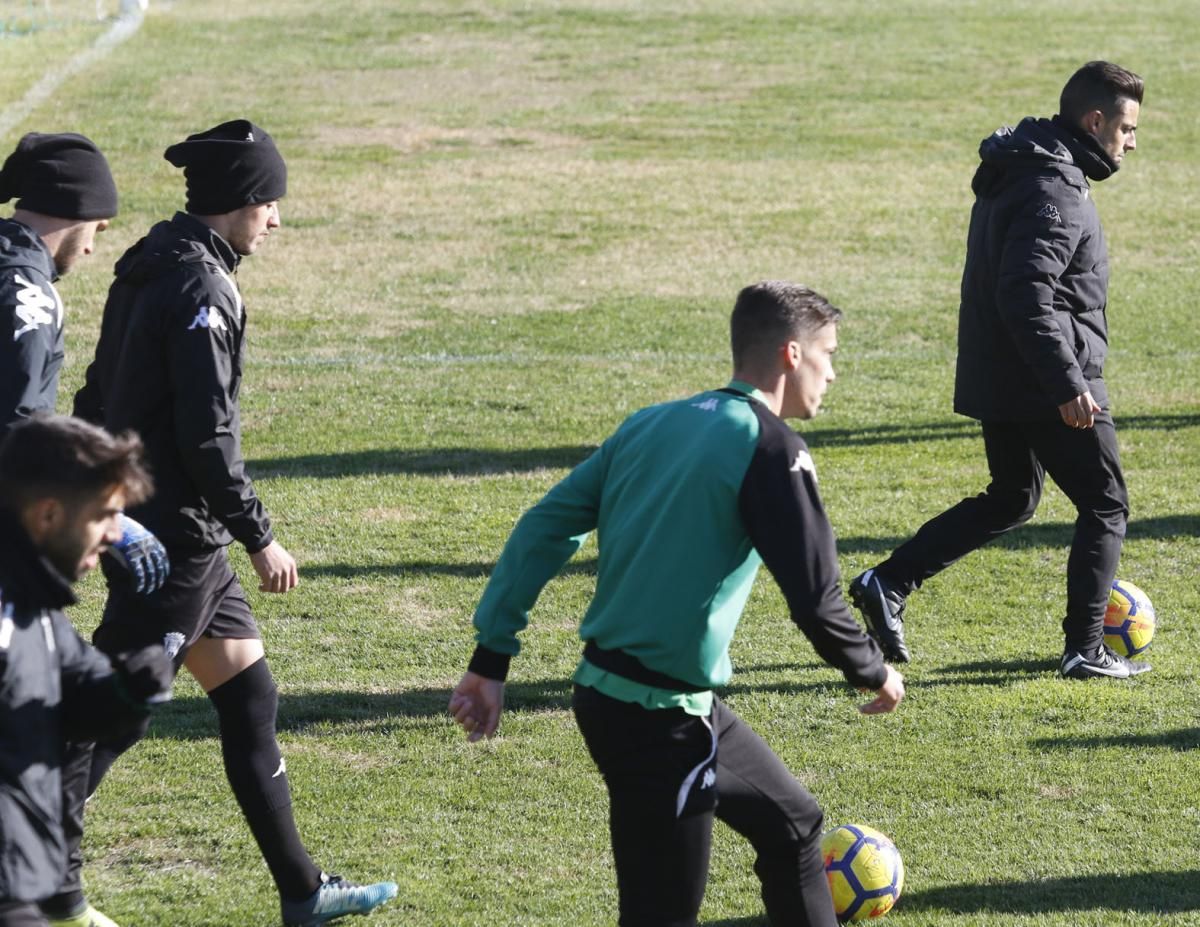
{"type": "Point", "coordinates": [247, 703]}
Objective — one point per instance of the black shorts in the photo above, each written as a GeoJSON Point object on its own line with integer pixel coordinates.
{"type": "Point", "coordinates": [201, 598]}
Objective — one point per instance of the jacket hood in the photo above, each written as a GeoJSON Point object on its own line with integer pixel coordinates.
{"type": "Point", "coordinates": [1039, 144]}
{"type": "Point", "coordinates": [168, 244]}
{"type": "Point", "coordinates": [25, 575]}
{"type": "Point", "coordinates": [22, 246]}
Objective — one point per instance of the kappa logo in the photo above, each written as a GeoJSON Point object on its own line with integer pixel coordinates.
{"type": "Point", "coordinates": [803, 461]}
{"type": "Point", "coordinates": [208, 317]}
{"type": "Point", "coordinates": [35, 307]}
{"type": "Point", "coordinates": [709, 405]}
{"type": "Point", "coordinates": [1049, 211]}
{"type": "Point", "coordinates": [710, 778]}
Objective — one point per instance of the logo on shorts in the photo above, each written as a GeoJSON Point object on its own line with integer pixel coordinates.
{"type": "Point", "coordinates": [173, 643]}
{"type": "Point", "coordinates": [710, 778]}
{"type": "Point", "coordinates": [1049, 211]}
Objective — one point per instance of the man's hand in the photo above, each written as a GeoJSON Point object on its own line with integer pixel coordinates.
{"type": "Point", "coordinates": [146, 674]}
{"type": "Point", "coordinates": [887, 696]}
{"type": "Point", "coordinates": [1080, 412]}
{"type": "Point", "coordinates": [142, 554]}
{"type": "Point", "coordinates": [276, 568]}
{"type": "Point", "coordinates": [476, 703]}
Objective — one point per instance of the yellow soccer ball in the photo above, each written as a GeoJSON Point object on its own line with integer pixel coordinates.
{"type": "Point", "coordinates": [865, 871]}
{"type": "Point", "coordinates": [1129, 621]}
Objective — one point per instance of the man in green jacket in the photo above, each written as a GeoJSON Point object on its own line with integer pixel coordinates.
{"type": "Point", "coordinates": [688, 497]}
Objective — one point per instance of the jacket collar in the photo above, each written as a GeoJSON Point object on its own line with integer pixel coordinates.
{"type": "Point", "coordinates": [220, 249]}
{"type": "Point", "coordinates": [1092, 159]}
{"type": "Point", "coordinates": [14, 234]}
{"type": "Point", "coordinates": [26, 577]}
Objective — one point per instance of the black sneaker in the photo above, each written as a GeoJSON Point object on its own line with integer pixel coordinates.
{"type": "Point", "coordinates": [883, 608]}
{"type": "Point", "coordinates": [1104, 662]}
{"type": "Point", "coordinates": [336, 898]}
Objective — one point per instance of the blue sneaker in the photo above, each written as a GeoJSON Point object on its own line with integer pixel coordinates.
{"type": "Point", "coordinates": [336, 898]}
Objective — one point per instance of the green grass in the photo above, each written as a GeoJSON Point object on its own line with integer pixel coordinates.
{"type": "Point", "coordinates": [511, 224]}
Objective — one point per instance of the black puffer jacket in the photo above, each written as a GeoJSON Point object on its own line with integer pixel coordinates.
{"type": "Point", "coordinates": [31, 325]}
{"type": "Point", "coordinates": [52, 686]}
{"type": "Point", "coordinates": [1032, 330]}
{"type": "Point", "coordinates": [169, 365]}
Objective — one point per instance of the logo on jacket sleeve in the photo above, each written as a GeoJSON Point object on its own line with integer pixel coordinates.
{"type": "Point", "coordinates": [35, 307]}
{"type": "Point", "coordinates": [804, 462]}
{"type": "Point", "coordinates": [208, 317]}
{"type": "Point", "coordinates": [709, 405]}
{"type": "Point", "coordinates": [1050, 212]}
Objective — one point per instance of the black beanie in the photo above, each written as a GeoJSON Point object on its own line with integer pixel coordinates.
{"type": "Point", "coordinates": [62, 175]}
{"type": "Point", "coordinates": [233, 165]}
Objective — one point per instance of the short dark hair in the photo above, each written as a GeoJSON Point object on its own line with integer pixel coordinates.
{"type": "Point", "coordinates": [769, 313]}
{"type": "Point", "coordinates": [66, 458]}
{"type": "Point", "coordinates": [1099, 85]}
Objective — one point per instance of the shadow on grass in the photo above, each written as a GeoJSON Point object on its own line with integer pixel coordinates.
{"type": "Point", "coordinates": [473, 461]}
{"type": "Point", "coordinates": [459, 461]}
{"type": "Point", "coordinates": [988, 673]}
{"type": "Point", "coordinates": [1170, 892]}
{"type": "Point", "coordinates": [1186, 738]}
{"type": "Point", "coordinates": [1042, 535]}
{"type": "Point", "coordinates": [956, 428]}
{"type": "Point", "coordinates": [193, 718]}
{"type": "Point", "coordinates": [583, 567]}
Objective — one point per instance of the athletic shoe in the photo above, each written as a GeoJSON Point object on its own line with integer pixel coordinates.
{"type": "Point", "coordinates": [88, 917]}
{"type": "Point", "coordinates": [336, 898]}
{"type": "Point", "coordinates": [883, 607]}
{"type": "Point", "coordinates": [1104, 662]}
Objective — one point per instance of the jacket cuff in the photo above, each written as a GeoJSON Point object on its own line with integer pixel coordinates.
{"type": "Point", "coordinates": [262, 543]}
{"type": "Point", "coordinates": [489, 664]}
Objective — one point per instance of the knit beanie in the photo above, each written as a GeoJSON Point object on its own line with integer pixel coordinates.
{"type": "Point", "coordinates": [233, 165]}
{"type": "Point", "coordinates": [62, 175]}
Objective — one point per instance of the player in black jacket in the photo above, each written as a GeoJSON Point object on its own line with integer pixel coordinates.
{"type": "Point", "coordinates": [63, 484]}
{"type": "Point", "coordinates": [65, 196]}
{"type": "Point", "coordinates": [169, 365]}
{"type": "Point", "coordinates": [1032, 338]}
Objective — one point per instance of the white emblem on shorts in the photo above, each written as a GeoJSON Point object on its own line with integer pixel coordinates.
{"type": "Point", "coordinates": [173, 643]}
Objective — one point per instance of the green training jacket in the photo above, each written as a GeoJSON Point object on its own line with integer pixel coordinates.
{"type": "Point", "coordinates": [687, 497]}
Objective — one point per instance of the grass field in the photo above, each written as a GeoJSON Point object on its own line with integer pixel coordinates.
{"type": "Point", "coordinates": [511, 223]}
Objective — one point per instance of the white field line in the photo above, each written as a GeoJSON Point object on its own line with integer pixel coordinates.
{"type": "Point", "coordinates": [125, 26]}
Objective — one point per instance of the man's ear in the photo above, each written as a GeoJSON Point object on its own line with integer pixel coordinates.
{"type": "Point", "coordinates": [790, 355]}
{"type": "Point", "coordinates": [1093, 122]}
{"type": "Point", "coordinates": [42, 518]}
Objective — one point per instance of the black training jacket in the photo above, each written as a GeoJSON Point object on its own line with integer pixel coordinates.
{"type": "Point", "coordinates": [1032, 331]}
{"type": "Point", "coordinates": [31, 325]}
{"type": "Point", "coordinates": [169, 365]}
{"type": "Point", "coordinates": [53, 687]}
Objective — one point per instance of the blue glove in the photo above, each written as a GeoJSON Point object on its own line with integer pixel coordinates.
{"type": "Point", "coordinates": [142, 554]}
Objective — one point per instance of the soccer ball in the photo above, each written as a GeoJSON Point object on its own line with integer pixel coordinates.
{"type": "Point", "coordinates": [1129, 620]}
{"type": "Point", "coordinates": [865, 871]}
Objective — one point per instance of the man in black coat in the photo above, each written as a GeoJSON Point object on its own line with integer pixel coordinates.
{"type": "Point", "coordinates": [169, 365]}
{"type": "Point", "coordinates": [65, 195]}
{"type": "Point", "coordinates": [63, 484]}
{"type": "Point", "coordinates": [1032, 339]}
